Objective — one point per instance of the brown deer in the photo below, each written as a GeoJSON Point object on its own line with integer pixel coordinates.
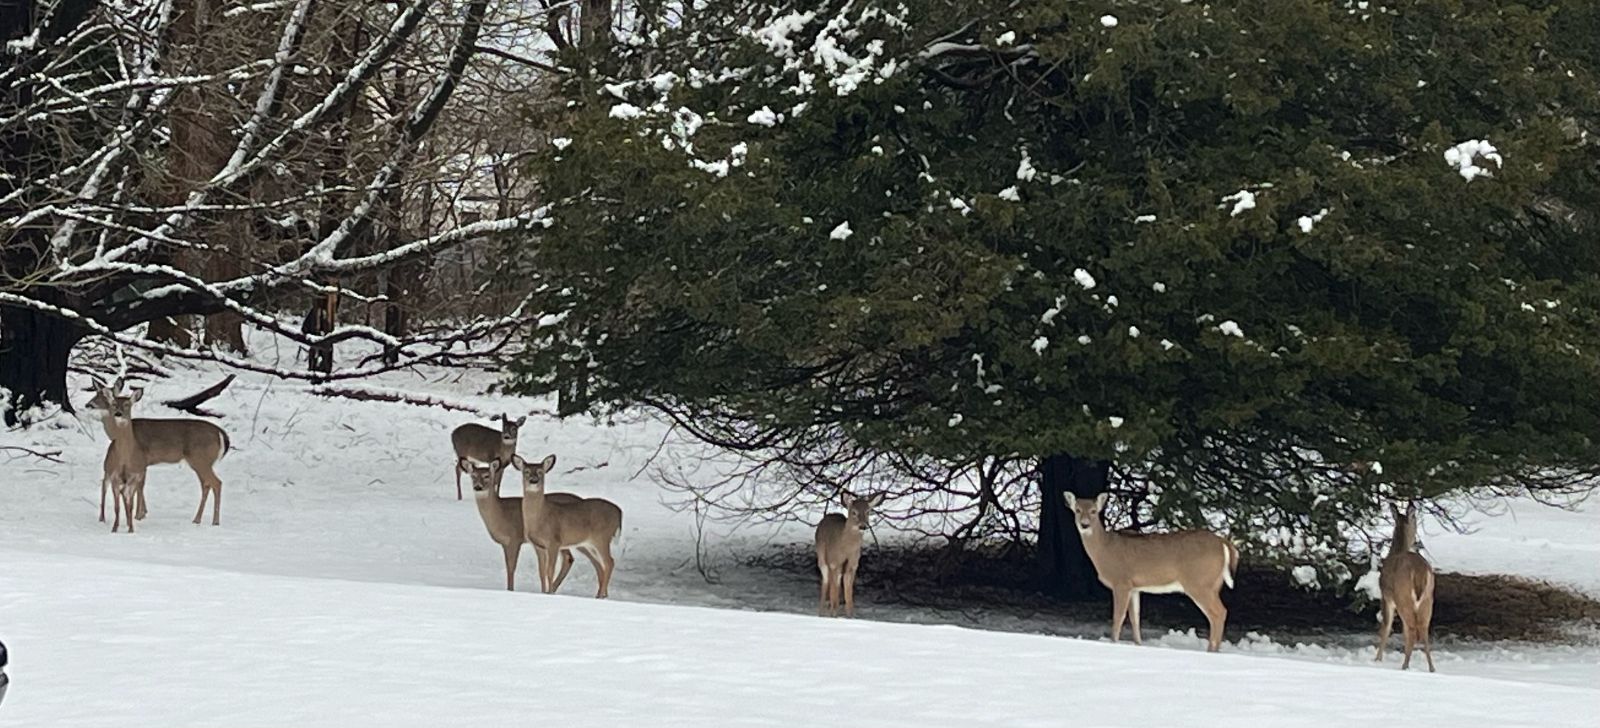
{"type": "Point", "coordinates": [839, 553]}
{"type": "Point", "coordinates": [502, 517]}
{"type": "Point", "coordinates": [1196, 563]}
{"type": "Point", "coordinates": [1406, 581]}
{"type": "Point", "coordinates": [588, 525]}
{"type": "Point", "coordinates": [481, 444]}
{"type": "Point", "coordinates": [137, 443]}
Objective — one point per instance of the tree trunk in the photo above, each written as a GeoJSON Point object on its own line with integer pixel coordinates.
{"type": "Point", "coordinates": [1064, 569]}
{"type": "Point", "coordinates": [33, 359]}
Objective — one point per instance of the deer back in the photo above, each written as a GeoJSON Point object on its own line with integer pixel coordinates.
{"type": "Point", "coordinates": [1180, 559]}
{"type": "Point", "coordinates": [483, 444]}
{"type": "Point", "coordinates": [561, 522]}
{"type": "Point", "coordinates": [837, 542]}
{"type": "Point", "coordinates": [177, 440]}
{"type": "Point", "coordinates": [502, 515]}
{"type": "Point", "coordinates": [1405, 574]}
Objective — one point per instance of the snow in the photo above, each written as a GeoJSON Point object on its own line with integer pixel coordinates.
{"type": "Point", "coordinates": [842, 232]}
{"type": "Point", "coordinates": [561, 143]}
{"type": "Point", "coordinates": [763, 116]}
{"type": "Point", "coordinates": [1144, 219]}
{"type": "Point", "coordinates": [1083, 278]}
{"type": "Point", "coordinates": [1040, 344]}
{"type": "Point", "coordinates": [1158, 287]}
{"type": "Point", "coordinates": [1242, 200]}
{"type": "Point", "coordinates": [1464, 157]}
{"type": "Point", "coordinates": [1305, 575]}
{"type": "Point", "coordinates": [277, 650]}
{"type": "Point", "coordinates": [1307, 222]}
{"type": "Point", "coordinates": [1025, 170]}
{"type": "Point", "coordinates": [1231, 328]}
{"type": "Point", "coordinates": [1006, 38]}
{"type": "Point", "coordinates": [1133, 332]}
{"type": "Point", "coordinates": [1116, 422]}
{"type": "Point", "coordinates": [1109, 21]}
{"type": "Point", "coordinates": [626, 111]}
{"type": "Point", "coordinates": [775, 36]}
{"type": "Point", "coordinates": [346, 580]}
{"type": "Point", "coordinates": [1010, 194]}
{"type": "Point", "coordinates": [1084, 339]}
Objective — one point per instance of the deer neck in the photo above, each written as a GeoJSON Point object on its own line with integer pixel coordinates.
{"type": "Point", "coordinates": [1097, 540]}
{"type": "Point", "coordinates": [1405, 536]}
{"type": "Point", "coordinates": [533, 507]}
{"type": "Point", "coordinates": [117, 431]}
{"type": "Point", "coordinates": [491, 506]}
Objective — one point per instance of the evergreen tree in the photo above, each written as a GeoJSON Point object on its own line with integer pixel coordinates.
{"type": "Point", "coordinates": [1225, 250]}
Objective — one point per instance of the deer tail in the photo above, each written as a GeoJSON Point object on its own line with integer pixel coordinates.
{"type": "Point", "coordinates": [1230, 562]}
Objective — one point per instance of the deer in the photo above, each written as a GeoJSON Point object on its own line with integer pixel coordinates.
{"type": "Point", "coordinates": [137, 443]}
{"type": "Point", "coordinates": [839, 553]}
{"type": "Point", "coordinates": [502, 516]}
{"type": "Point", "coordinates": [1197, 563]}
{"type": "Point", "coordinates": [588, 525]}
{"type": "Point", "coordinates": [481, 444]}
{"type": "Point", "coordinates": [1405, 580]}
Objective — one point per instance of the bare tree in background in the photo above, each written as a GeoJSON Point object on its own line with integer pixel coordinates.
{"type": "Point", "coordinates": [172, 158]}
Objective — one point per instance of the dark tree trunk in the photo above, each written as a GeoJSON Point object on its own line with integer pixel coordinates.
{"type": "Point", "coordinates": [33, 359]}
{"type": "Point", "coordinates": [1064, 569]}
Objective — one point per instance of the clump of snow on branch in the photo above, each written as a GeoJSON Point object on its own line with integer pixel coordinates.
{"type": "Point", "coordinates": [626, 111]}
{"type": "Point", "coordinates": [1025, 170]}
{"type": "Point", "coordinates": [1307, 222]}
{"type": "Point", "coordinates": [763, 116]}
{"type": "Point", "coordinates": [1006, 38]}
{"type": "Point", "coordinates": [1230, 328]}
{"type": "Point", "coordinates": [1010, 194]}
{"type": "Point", "coordinates": [1242, 200]}
{"type": "Point", "coordinates": [1305, 575]}
{"type": "Point", "coordinates": [1083, 278]}
{"type": "Point", "coordinates": [1040, 344]}
{"type": "Point", "coordinates": [842, 232]}
{"type": "Point", "coordinates": [1464, 157]}
{"type": "Point", "coordinates": [1109, 21]}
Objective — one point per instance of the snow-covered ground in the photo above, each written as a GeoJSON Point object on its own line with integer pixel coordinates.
{"type": "Point", "coordinates": [348, 586]}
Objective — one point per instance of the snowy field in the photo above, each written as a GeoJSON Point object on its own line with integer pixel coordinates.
{"type": "Point", "coordinates": [348, 586]}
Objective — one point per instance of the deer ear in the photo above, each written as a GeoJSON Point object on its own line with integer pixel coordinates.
{"type": "Point", "coordinates": [549, 462]}
{"type": "Point", "coordinates": [877, 499]}
{"type": "Point", "coordinates": [1411, 509]}
{"type": "Point", "coordinates": [521, 420]}
{"type": "Point", "coordinates": [518, 463]}
{"type": "Point", "coordinates": [1100, 501]}
{"type": "Point", "coordinates": [137, 393]}
{"type": "Point", "coordinates": [463, 465]}
{"type": "Point", "coordinates": [1071, 498]}
{"type": "Point", "coordinates": [846, 498]}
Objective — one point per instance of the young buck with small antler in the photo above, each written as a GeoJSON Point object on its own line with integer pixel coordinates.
{"type": "Point", "coordinates": [1406, 581]}
{"type": "Point", "coordinates": [1196, 563]}
{"type": "Point", "coordinates": [839, 553]}
{"type": "Point", "coordinates": [502, 517]}
{"type": "Point", "coordinates": [481, 445]}
{"type": "Point", "coordinates": [588, 525]}
{"type": "Point", "coordinates": [139, 443]}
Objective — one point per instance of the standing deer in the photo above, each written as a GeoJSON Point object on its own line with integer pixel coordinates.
{"type": "Point", "coordinates": [503, 516]}
{"type": "Point", "coordinates": [588, 525]}
{"type": "Point", "coordinates": [839, 553]}
{"type": "Point", "coordinates": [481, 444]}
{"type": "Point", "coordinates": [1196, 563]}
{"type": "Point", "coordinates": [139, 443]}
{"type": "Point", "coordinates": [1406, 581]}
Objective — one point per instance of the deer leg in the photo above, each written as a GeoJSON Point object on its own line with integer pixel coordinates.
{"type": "Point", "coordinates": [830, 584]}
{"type": "Point", "coordinates": [198, 512]}
{"type": "Point", "coordinates": [850, 588]}
{"type": "Point", "coordinates": [547, 557]}
{"type": "Point", "coordinates": [566, 565]}
{"type": "Point", "coordinates": [1425, 626]}
{"type": "Point", "coordinates": [127, 503]}
{"type": "Point", "coordinates": [1216, 614]}
{"type": "Point", "coordinates": [821, 588]}
{"type": "Point", "coordinates": [538, 555]}
{"type": "Point", "coordinates": [142, 509]}
{"type": "Point", "coordinates": [1408, 630]}
{"type": "Point", "coordinates": [105, 484]}
{"type": "Point", "coordinates": [1133, 615]}
{"type": "Point", "coordinates": [458, 479]}
{"type": "Point", "coordinates": [1119, 611]}
{"type": "Point", "coordinates": [216, 501]}
{"type": "Point", "coordinates": [513, 550]}
{"type": "Point", "coordinates": [1385, 626]}
{"type": "Point", "coordinates": [209, 483]}
{"type": "Point", "coordinates": [611, 568]}
{"type": "Point", "coordinates": [599, 569]}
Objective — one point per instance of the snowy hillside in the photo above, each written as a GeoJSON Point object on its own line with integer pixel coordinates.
{"type": "Point", "coordinates": [134, 645]}
{"type": "Point", "coordinates": [346, 582]}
